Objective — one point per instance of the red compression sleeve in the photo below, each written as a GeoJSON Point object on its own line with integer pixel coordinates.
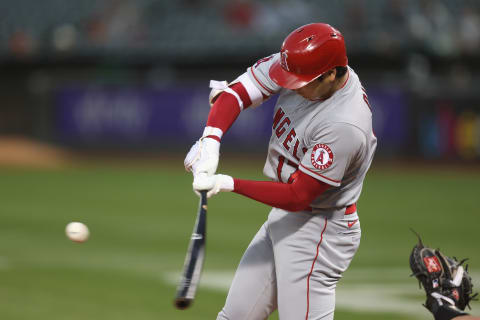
{"type": "Point", "coordinates": [226, 109]}
{"type": "Point", "coordinates": [295, 196]}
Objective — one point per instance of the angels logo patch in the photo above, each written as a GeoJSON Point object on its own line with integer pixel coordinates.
{"type": "Point", "coordinates": [322, 156]}
{"type": "Point", "coordinates": [283, 60]}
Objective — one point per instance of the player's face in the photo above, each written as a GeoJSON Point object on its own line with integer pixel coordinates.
{"type": "Point", "coordinates": [319, 89]}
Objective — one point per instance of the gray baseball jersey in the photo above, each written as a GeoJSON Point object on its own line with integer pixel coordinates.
{"type": "Point", "coordinates": [330, 140]}
{"type": "Point", "coordinates": [296, 258]}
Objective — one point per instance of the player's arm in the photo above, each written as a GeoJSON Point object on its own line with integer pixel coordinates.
{"type": "Point", "coordinates": [323, 165]}
{"type": "Point", "coordinates": [204, 154]}
{"type": "Point", "coordinates": [227, 101]}
{"type": "Point", "coordinates": [294, 196]}
{"type": "Point", "coordinates": [228, 105]}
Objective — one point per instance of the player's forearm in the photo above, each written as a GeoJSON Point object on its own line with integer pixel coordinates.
{"type": "Point", "coordinates": [275, 194]}
{"type": "Point", "coordinates": [292, 197]}
{"type": "Point", "coordinates": [224, 112]}
{"type": "Point", "coordinates": [228, 106]}
{"type": "Point", "coordinates": [203, 156]}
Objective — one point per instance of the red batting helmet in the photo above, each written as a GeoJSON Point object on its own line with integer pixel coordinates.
{"type": "Point", "coordinates": [307, 53]}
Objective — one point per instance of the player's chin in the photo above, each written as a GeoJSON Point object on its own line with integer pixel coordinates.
{"type": "Point", "coordinates": [305, 96]}
{"type": "Point", "coordinates": [310, 97]}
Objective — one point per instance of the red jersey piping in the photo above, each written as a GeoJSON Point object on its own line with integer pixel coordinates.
{"type": "Point", "coordinates": [311, 269]}
{"type": "Point", "coordinates": [261, 84]}
{"type": "Point", "coordinates": [318, 174]}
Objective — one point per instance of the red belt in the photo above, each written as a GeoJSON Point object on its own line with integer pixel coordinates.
{"type": "Point", "coordinates": [351, 209]}
{"type": "Point", "coordinates": [348, 210]}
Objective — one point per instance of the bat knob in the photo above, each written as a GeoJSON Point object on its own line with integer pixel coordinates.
{"type": "Point", "coordinates": [182, 303]}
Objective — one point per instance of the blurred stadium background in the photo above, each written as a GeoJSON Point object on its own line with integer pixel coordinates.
{"type": "Point", "coordinates": [100, 100]}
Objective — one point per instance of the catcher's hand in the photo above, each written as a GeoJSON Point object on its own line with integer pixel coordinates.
{"type": "Point", "coordinates": [445, 280]}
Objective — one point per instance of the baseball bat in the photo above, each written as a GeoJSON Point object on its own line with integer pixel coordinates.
{"type": "Point", "coordinates": [192, 267]}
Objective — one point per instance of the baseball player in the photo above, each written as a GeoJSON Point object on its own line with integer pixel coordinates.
{"type": "Point", "coordinates": [321, 147]}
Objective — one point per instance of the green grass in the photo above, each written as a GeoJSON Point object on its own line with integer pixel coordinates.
{"type": "Point", "coordinates": [141, 219]}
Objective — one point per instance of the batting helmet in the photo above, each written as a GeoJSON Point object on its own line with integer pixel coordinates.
{"type": "Point", "coordinates": [307, 53]}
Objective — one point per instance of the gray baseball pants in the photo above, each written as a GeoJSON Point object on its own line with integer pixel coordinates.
{"type": "Point", "coordinates": [293, 264]}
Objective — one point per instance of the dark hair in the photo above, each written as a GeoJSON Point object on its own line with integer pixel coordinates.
{"type": "Point", "coordinates": [340, 73]}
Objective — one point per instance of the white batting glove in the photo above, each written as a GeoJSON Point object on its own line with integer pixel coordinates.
{"type": "Point", "coordinates": [214, 184]}
{"type": "Point", "coordinates": [204, 154]}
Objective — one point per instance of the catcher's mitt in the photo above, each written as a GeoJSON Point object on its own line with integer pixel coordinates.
{"type": "Point", "coordinates": [446, 281]}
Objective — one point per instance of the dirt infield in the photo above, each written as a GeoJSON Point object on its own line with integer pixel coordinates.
{"type": "Point", "coordinates": [24, 152]}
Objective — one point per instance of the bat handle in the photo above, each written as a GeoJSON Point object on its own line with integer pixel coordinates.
{"type": "Point", "coordinates": [182, 303]}
{"type": "Point", "coordinates": [203, 196]}
{"type": "Point", "coordinates": [203, 193]}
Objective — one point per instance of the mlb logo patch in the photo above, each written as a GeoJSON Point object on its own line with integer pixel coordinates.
{"type": "Point", "coordinates": [432, 264]}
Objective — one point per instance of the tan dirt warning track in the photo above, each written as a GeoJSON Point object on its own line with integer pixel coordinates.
{"type": "Point", "coordinates": [23, 152]}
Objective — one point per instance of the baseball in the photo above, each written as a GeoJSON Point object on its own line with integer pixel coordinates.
{"type": "Point", "coordinates": [77, 232]}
